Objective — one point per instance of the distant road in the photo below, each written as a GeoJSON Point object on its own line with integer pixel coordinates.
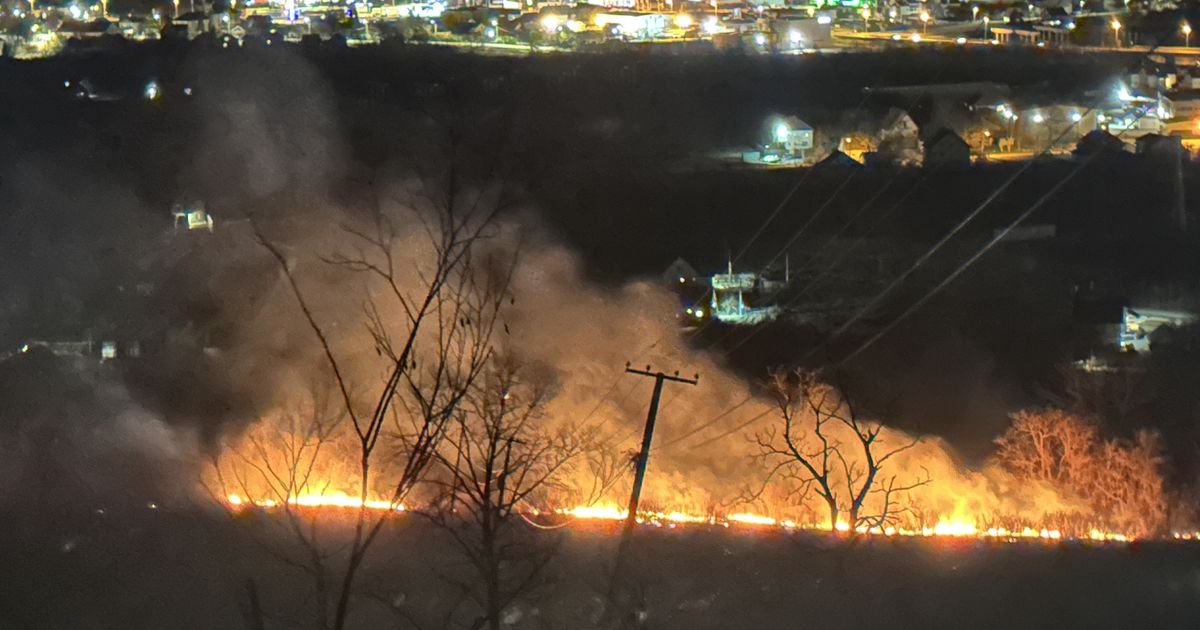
{"type": "Point", "coordinates": [948, 33]}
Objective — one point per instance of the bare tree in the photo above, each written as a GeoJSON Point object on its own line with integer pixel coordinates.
{"type": "Point", "coordinates": [1120, 480]}
{"type": "Point", "coordinates": [824, 444]}
{"type": "Point", "coordinates": [1049, 445]}
{"type": "Point", "coordinates": [432, 321]}
{"type": "Point", "coordinates": [282, 458]}
{"type": "Point", "coordinates": [499, 460]}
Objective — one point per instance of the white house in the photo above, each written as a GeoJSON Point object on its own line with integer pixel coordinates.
{"type": "Point", "coordinates": [793, 135]}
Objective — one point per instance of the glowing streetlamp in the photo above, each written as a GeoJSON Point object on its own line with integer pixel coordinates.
{"type": "Point", "coordinates": [1187, 34]}
{"type": "Point", "coordinates": [986, 34]}
{"type": "Point", "coordinates": [176, 2]}
{"type": "Point", "coordinates": [684, 21]}
{"type": "Point", "coordinates": [924, 21]}
{"type": "Point", "coordinates": [1115, 25]}
{"type": "Point", "coordinates": [974, 13]}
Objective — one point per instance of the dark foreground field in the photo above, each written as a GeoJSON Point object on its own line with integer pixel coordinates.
{"type": "Point", "coordinates": [171, 569]}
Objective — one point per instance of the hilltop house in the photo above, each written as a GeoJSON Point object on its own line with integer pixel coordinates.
{"type": "Point", "coordinates": [946, 149]}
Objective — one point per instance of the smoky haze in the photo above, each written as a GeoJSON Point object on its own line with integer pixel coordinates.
{"type": "Point", "coordinates": [225, 346]}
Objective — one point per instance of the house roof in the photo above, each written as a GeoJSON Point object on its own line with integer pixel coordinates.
{"type": "Point", "coordinates": [1098, 140]}
{"type": "Point", "coordinates": [679, 269]}
{"type": "Point", "coordinates": [795, 123]}
{"type": "Point", "coordinates": [944, 135]}
{"type": "Point", "coordinates": [1153, 140]}
{"type": "Point", "coordinates": [894, 116]}
{"type": "Point", "coordinates": [837, 159]}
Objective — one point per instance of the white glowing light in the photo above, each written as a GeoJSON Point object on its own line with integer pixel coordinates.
{"type": "Point", "coordinates": [152, 92]}
{"type": "Point", "coordinates": [1037, 118]}
{"type": "Point", "coordinates": [960, 40]}
{"type": "Point", "coordinates": [916, 38]}
{"type": "Point", "coordinates": [684, 21]}
{"type": "Point", "coordinates": [760, 39]}
{"type": "Point", "coordinates": [551, 23]}
{"type": "Point", "coordinates": [795, 37]}
{"type": "Point", "coordinates": [824, 19]}
{"type": "Point", "coordinates": [1076, 117]}
{"type": "Point", "coordinates": [781, 132]}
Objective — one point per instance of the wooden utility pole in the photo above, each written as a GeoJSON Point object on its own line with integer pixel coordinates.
{"type": "Point", "coordinates": [644, 456]}
{"type": "Point", "coordinates": [639, 476]}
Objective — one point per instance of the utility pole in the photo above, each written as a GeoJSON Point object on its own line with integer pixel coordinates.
{"type": "Point", "coordinates": [638, 478]}
{"type": "Point", "coordinates": [643, 457]}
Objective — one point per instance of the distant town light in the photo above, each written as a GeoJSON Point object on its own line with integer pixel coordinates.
{"type": "Point", "coordinates": [710, 24]}
{"type": "Point", "coordinates": [795, 37]}
{"type": "Point", "coordinates": [960, 40]}
{"type": "Point", "coordinates": [151, 92]}
{"type": "Point", "coordinates": [760, 40]}
{"type": "Point", "coordinates": [1076, 117]}
{"type": "Point", "coordinates": [1037, 117]}
{"type": "Point", "coordinates": [684, 21]}
{"type": "Point", "coordinates": [916, 38]}
{"type": "Point", "coordinates": [824, 19]}
{"type": "Point", "coordinates": [896, 37]}
{"type": "Point", "coordinates": [1100, 117]}
{"type": "Point", "coordinates": [551, 23]}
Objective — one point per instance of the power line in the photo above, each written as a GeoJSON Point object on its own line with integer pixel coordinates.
{"type": "Point", "coordinates": [963, 267]}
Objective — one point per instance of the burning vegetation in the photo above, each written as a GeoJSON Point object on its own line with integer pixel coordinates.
{"type": "Point", "coordinates": [460, 385]}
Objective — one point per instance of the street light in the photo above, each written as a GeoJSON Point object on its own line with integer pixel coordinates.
{"type": "Point", "coordinates": [924, 21]}
{"type": "Point", "coordinates": [974, 13]}
{"type": "Point", "coordinates": [986, 34]}
{"type": "Point", "coordinates": [1187, 34]}
{"type": "Point", "coordinates": [1116, 27]}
